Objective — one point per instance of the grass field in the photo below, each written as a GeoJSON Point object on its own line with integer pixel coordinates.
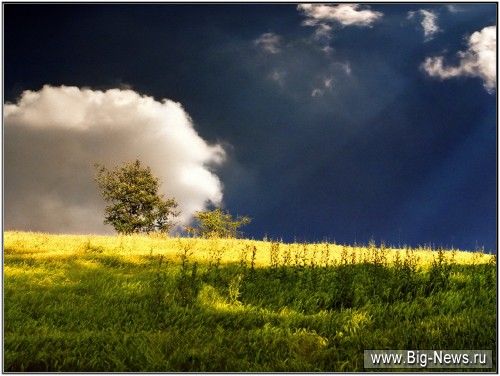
{"type": "Point", "coordinates": [137, 303]}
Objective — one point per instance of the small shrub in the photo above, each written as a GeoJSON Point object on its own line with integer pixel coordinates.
{"type": "Point", "coordinates": [234, 289]}
{"type": "Point", "coordinates": [274, 254]}
{"type": "Point", "coordinates": [218, 223]}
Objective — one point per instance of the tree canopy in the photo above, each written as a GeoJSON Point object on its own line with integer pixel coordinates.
{"type": "Point", "coordinates": [135, 206]}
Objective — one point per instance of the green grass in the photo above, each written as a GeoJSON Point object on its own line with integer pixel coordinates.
{"type": "Point", "coordinates": [132, 303]}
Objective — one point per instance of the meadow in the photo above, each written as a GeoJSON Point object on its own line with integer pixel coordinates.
{"type": "Point", "coordinates": [152, 303]}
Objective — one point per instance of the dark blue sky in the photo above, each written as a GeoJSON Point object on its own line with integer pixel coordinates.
{"type": "Point", "coordinates": [385, 152]}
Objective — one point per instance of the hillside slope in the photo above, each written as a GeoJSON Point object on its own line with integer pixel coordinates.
{"type": "Point", "coordinates": [138, 303]}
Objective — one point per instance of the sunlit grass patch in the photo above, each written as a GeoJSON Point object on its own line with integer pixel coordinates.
{"type": "Point", "coordinates": [169, 304]}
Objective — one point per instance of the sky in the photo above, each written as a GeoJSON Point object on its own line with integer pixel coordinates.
{"type": "Point", "coordinates": [340, 122]}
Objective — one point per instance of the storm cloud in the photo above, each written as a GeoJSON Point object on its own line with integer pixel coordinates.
{"type": "Point", "coordinates": [54, 136]}
{"type": "Point", "coordinates": [341, 134]}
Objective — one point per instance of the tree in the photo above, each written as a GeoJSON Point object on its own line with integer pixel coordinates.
{"type": "Point", "coordinates": [135, 205]}
{"type": "Point", "coordinates": [219, 223]}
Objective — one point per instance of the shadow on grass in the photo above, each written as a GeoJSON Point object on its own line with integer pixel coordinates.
{"type": "Point", "coordinates": [110, 314]}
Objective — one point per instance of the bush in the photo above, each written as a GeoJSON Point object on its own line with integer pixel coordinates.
{"type": "Point", "coordinates": [218, 223]}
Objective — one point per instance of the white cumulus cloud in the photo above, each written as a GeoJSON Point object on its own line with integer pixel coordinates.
{"type": "Point", "coordinates": [269, 42]}
{"type": "Point", "coordinates": [479, 60]}
{"type": "Point", "coordinates": [429, 22]}
{"type": "Point", "coordinates": [345, 14]}
{"type": "Point", "coordinates": [323, 16]}
{"type": "Point", "coordinates": [54, 136]}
